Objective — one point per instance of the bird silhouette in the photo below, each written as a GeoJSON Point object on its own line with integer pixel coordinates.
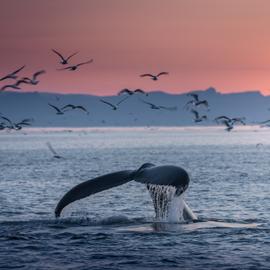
{"type": "Point", "coordinates": [154, 77]}
{"type": "Point", "coordinates": [59, 111]}
{"type": "Point", "coordinates": [13, 75]}
{"type": "Point", "coordinates": [75, 67]}
{"type": "Point", "coordinates": [34, 80]}
{"type": "Point", "coordinates": [158, 107]}
{"type": "Point", "coordinates": [55, 155]}
{"type": "Point", "coordinates": [64, 60]}
{"type": "Point", "coordinates": [131, 92]}
{"type": "Point", "coordinates": [74, 107]}
{"type": "Point", "coordinates": [114, 106]}
{"type": "Point", "coordinates": [197, 117]}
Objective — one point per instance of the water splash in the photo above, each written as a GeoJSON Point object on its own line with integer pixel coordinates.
{"type": "Point", "coordinates": [168, 206]}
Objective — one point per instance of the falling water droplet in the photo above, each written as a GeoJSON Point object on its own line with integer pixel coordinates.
{"type": "Point", "coordinates": [168, 206]}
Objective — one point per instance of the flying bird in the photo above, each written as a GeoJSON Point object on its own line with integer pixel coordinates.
{"type": "Point", "coordinates": [158, 107]}
{"type": "Point", "coordinates": [196, 101]}
{"type": "Point", "coordinates": [12, 86]}
{"type": "Point", "coordinates": [13, 75]}
{"type": "Point", "coordinates": [73, 107]}
{"type": "Point", "coordinates": [55, 155]}
{"type": "Point", "coordinates": [64, 60]}
{"type": "Point", "coordinates": [16, 126]}
{"type": "Point", "coordinates": [131, 92]}
{"type": "Point", "coordinates": [154, 77]}
{"type": "Point", "coordinates": [197, 117]}
{"type": "Point", "coordinates": [59, 111]}
{"type": "Point", "coordinates": [229, 122]}
{"type": "Point", "coordinates": [75, 67]}
{"type": "Point", "coordinates": [114, 106]}
{"type": "Point", "coordinates": [34, 80]}
{"type": "Point", "coordinates": [21, 124]}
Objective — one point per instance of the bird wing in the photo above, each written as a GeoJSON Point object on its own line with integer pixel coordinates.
{"type": "Point", "coordinates": [147, 75]}
{"type": "Point", "coordinates": [122, 100]}
{"type": "Point", "coordinates": [18, 70]}
{"type": "Point", "coordinates": [83, 63]}
{"type": "Point", "coordinates": [38, 73]}
{"type": "Point", "coordinates": [189, 102]}
{"type": "Point", "coordinates": [23, 80]}
{"type": "Point", "coordinates": [69, 67]}
{"type": "Point", "coordinates": [238, 120]}
{"type": "Point", "coordinates": [139, 91]}
{"type": "Point", "coordinates": [51, 149]}
{"type": "Point", "coordinates": [162, 73]}
{"type": "Point", "coordinates": [59, 54]}
{"type": "Point", "coordinates": [6, 119]}
{"type": "Point", "coordinates": [68, 106]}
{"type": "Point", "coordinates": [223, 117]}
{"type": "Point", "coordinates": [14, 86]}
{"type": "Point", "coordinates": [125, 91]}
{"type": "Point", "coordinates": [12, 73]}
{"type": "Point", "coordinates": [146, 102]}
{"type": "Point", "coordinates": [108, 103]}
{"type": "Point", "coordinates": [81, 108]}
{"type": "Point", "coordinates": [174, 108]}
{"type": "Point", "coordinates": [195, 96]}
{"type": "Point", "coordinates": [226, 123]}
{"type": "Point", "coordinates": [71, 55]}
{"type": "Point", "coordinates": [204, 102]}
{"type": "Point", "coordinates": [195, 113]}
{"type": "Point", "coordinates": [57, 109]}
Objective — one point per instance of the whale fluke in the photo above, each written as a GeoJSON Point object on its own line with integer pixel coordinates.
{"type": "Point", "coordinates": [93, 186]}
{"type": "Point", "coordinates": [148, 173]}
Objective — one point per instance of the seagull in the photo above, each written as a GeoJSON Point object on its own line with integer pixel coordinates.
{"type": "Point", "coordinates": [75, 67]}
{"type": "Point", "coordinates": [33, 80]}
{"type": "Point", "coordinates": [198, 118]}
{"type": "Point", "coordinates": [229, 122]}
{"type": "Point", "coordinates": [55, 155]}
{"type": "Point", "coordinates": [130, 92]}
{"type": "Point", "coordinates": [12, 75]}
{"type": "Point", "coordinates": [114, 107]}
{"type": "Point", "coordinates": [229, 125]}
{"type": "Point", "coordinates": [73, 107]}
{"type": "Point", "coordinates": [13, 86]}
{"type": "Point", "coordinates": [196, 102]}
{"type": "Point", "coordinates": [15, 126]}
{"type": "Point", "coordinates": [24, 122]}
{"type": "Point", "coordinates": [202, 102]}
{"type": "Point", "coordinates": [154, 77]}
{"type": "Point", "coordinates": [158, 107]}
{"type": "Point", "coordinates": [64, 60]}
{"type": "Point", "coordinates": [58, 110]}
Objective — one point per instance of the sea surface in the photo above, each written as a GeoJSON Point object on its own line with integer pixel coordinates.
{"type": "Point", "coordinates": [116, 229]}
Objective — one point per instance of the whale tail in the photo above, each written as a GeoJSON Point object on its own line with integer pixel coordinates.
{"type": "Point", "coordinates": [93, 186]}
{"type": "Point", "coordinates": [147, 174]}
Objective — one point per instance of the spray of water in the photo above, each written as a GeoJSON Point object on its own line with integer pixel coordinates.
{"type": "Point", "coordinates": [168, 206]}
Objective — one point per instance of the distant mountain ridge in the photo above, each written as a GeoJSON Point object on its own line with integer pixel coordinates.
{"type": "Point", "coordinates": [132, 112]}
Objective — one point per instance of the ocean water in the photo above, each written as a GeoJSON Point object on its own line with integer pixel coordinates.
{"type": "Point", "coordinates": [116, 229]}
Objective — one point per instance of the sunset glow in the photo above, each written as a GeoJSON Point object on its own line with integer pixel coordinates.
{"type": "Point", "coordinates": [224, 44]}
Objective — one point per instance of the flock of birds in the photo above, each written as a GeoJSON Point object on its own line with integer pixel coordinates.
{"type": "Point", "coordinates": [195, 105]}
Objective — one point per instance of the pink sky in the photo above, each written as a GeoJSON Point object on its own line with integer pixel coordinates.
{"type": "Point", "coordinates": [201, 43]}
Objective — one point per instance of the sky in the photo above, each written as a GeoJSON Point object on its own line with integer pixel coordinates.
{"type": "Point", "coordinates": [201, 43]}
